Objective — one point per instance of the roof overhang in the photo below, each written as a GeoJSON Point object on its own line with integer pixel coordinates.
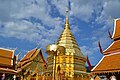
{"type": "Point", "coordinates": [6, 70]}
{"type": "Point", "coordinates": [108, 64]}
{"type": "Point", "coordinates": [106, 71]}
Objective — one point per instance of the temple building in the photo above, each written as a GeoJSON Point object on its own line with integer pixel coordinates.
{"type": "Point", "coordinates": [7, 63]}
{"type": "Point", "coordinates": [69, 60]}
{"type": "Point", "coordinates": [32, 65]}
{"type": "Point", "coordinates": [109, 65]}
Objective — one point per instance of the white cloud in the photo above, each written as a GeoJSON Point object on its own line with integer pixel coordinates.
{"type": "Point", "coordinates": [46, 32]}
{"type": "Point", "coordinates": [28, 31]}
{"type": "Point", "coordinates": [27, 8]}
{"type": "Point", "coordinates": [111, 8]}
{"type": "Point", "coordinates": [110, 11]}
{"type": "Point", "coordinates": [40, 11]}
{"type": "Point", "coordinates": [75, 29]}
{"type": "Point", "coordinates": [19, 29]}
{"type": "Point", "coordinates": [81, 9]}
{"type": "Point", "coordinates": [60, 5]}
{"type": "Point", "coordinates": [86, 50]}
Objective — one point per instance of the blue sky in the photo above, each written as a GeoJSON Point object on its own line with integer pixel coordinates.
{"type": "Point", "coordinates": [26, 23]}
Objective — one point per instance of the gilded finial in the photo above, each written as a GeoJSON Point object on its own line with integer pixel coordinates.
{"type": "Point", "coordinates": [67, 22]}
{"type": "Point", "coordinates": [67, 13]}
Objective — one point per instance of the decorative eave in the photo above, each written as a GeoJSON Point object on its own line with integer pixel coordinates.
{"type": "Point", "coordinates": [106, 71]}
{"type": "Point", "coordinates": [116, 33]}
{"type": "Point", "coordinates": [113, 48]}
{"type": "Point", "coordinates": [7, 70]}
{"type": "Point", "coordinates": [44, 62]}
{"type": "Point", "coordinates": [7, 49]}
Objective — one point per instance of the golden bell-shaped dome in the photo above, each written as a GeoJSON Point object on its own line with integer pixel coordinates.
{"type": "Point", "coordinates": [67, 40]}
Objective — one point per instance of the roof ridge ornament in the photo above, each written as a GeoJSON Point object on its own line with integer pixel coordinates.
{"type": "Point", "coordinates": [110, 35]}
{"type": "Point", "coordinates": [116, 33]}
{"type": "Point", "coordinates": [100, 48]}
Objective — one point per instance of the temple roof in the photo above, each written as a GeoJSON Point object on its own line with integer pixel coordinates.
{"type": "Point", "coordinates": [67, 40]}
{"type": "Point", "coordinates": [29, 57]}
{"type": "Point", "coordinates": [115, 46]}
{"type": "Point", "coordinates": [6, 57]}
{"type": "Point", "coordinates": [116, 33]}
{"type": "Point", "coordinates": [7, 70]}
{"type": "Point", "coordinates": [109, 63]}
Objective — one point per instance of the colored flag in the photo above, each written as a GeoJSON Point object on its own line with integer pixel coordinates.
{"type": "Point", "coordinates": [69, 4]}
{"type": "Point", "coordinates": [89, 64]}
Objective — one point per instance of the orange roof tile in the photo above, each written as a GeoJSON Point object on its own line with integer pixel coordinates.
{"type": "Point", "coordinates": [27, 60]}
{"type": "Point", "coordinates": [116, 33]}
{"type": "Point", "coordinates": [113, 48]}
{"type": "Point", "coordinates": [6, 57]}
{"type": "Point", "coordinates": [109, 63]}
{"type": "Point", "coordinates": [29, 54]}
{"type": "Point", "coordinates": [27, 57]}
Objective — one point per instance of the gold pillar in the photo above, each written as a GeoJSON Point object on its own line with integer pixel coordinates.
{"type": "Point", "coordinates": [81, 76]}
{"type": "Point", "coordinates": [37, 76]}
{"type": "Point", "coordinates": [54, 67]}
{"type": "Point", "coordinates": [52, 49]}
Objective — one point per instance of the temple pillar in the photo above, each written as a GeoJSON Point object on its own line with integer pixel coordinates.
{"type": "Point", "coordinates": [81, 76]}
{"type": "Point", "coordinates": [37, 75]}
{"type": "Point", "coordinates": [54, 67]}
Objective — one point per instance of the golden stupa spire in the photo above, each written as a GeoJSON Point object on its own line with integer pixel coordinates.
{"type": "Point", "coordinates": [69, 57]}
{"type": "Point", "coordinates": [67, 21]}
{"type": "Point", "coordinates": [67, 39]}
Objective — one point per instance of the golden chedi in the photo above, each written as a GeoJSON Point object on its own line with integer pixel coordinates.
{"type": "Point", "coordinates": [69, 61]}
